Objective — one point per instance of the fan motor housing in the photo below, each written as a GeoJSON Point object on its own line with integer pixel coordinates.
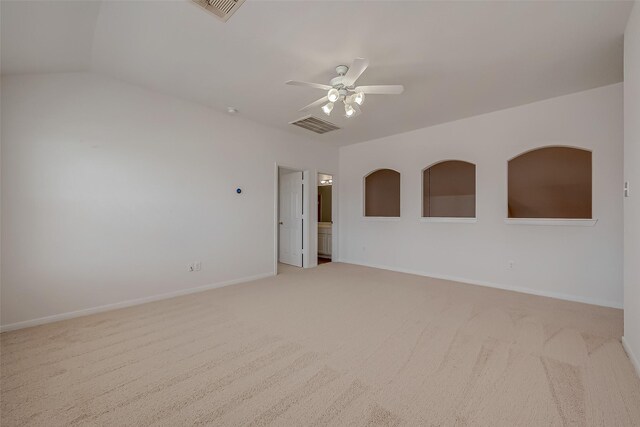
{"type": "Point", "coordinates": [337, 81]}
{"type": "Point", "coordinates": [342, 70]}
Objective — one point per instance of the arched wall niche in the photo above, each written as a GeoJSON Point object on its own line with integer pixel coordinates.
{"type": "Point", "coordinates": [382, 193]}
{"type": "Point", "coordinates": [551, 182]}
{"type": "Point", "coordinates": [449, 190]}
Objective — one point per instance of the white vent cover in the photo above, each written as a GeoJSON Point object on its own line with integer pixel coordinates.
{"type": "Point", "coordinates": [223, 9]}
{"type": "Point", "coordinates": [314, 124]}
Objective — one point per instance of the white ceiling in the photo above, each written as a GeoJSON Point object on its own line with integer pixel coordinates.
{"type": "Point", "coordinates": [47, 36]}
{"type": "Point", "coordinates": [455, 59]}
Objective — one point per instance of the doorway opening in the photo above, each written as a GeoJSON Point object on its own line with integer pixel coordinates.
{"type": "Point", "coordinates": [291, 218]}
{"type": "Point", "coordinates": [325, 219]}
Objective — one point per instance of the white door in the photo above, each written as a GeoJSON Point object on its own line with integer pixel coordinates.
{"type": "Point", "coordinates": [290, 223]}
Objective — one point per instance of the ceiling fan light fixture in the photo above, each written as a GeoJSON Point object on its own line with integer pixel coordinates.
{"type": "Point", "coordinates": [333, 95]}
{"type": "Point", "coordinates": [349, 111]}
{"type": "Point", "coordinates": [343, 88]}
{"type": "Point", "coordinates": [327, 108]}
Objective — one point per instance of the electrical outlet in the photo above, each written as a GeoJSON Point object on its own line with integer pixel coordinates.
{"type": "Point", "coordinates": [191, 267]}
{"type": "Point", "coordinates": [511, 263]}
{"type": "Point", "coordinates": [197, 266]}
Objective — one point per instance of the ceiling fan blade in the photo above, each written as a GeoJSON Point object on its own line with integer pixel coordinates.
{"type": "Point", "coordinates": [381, 89]}
{"type": "Point", "coordinates": [307, 84]}
{"type": "Point", "coordinates": [356, 69]}
{"type": "Point", "coordinates": [317, 103]}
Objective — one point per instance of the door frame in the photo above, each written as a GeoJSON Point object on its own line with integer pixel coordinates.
{"type": "Point", "coordinates": [334, 216]}
{"type": "Point", "coordinates": [310, 223]}
{"type": "Point", "coordinates": [305, 216]}
{"type": "Point", "coordinates": [295, 255]}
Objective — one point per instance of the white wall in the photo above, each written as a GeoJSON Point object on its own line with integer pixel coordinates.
{"type": "Point", "coordinates": [110, 191]}
{"type": "Point", "coordinates": [579, 263]}
{"type": "Point", "coordinates": [632, 174]}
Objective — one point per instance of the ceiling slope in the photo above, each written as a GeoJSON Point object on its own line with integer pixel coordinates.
{"type": "Point", "coordinates": [47, 36]}
{"type": "Point", "coordinates": [455, 59]}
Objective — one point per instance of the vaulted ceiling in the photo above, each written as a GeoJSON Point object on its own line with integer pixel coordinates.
{"type": "Point", "coordinates": [455, 59]}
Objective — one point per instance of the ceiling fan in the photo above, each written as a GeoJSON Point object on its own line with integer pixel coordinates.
{"type": "Point", "coordinates": [342, 89]}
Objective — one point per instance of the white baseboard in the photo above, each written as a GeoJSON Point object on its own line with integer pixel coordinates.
{"type": "Point", "coordinates": [138, 301]}
{"type": "Point", "coordinates": [632, 356]}
{"type": "Point", "coordinates": [593, 301]}
{"type": "Point", "coordinates": [128, 303]}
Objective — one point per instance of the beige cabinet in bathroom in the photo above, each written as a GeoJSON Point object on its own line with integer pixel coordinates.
{"type": "Point", "coordinates": [324, 239]}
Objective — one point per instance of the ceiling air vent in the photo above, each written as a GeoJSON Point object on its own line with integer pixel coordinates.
{"type": "Point", "coordinates": [223, 9]}
{"type": "Point", "coordinates": [315, 124]}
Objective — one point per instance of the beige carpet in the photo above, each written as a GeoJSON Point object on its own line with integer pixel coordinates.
{"type": "Point", "coordinates": [336, 345]}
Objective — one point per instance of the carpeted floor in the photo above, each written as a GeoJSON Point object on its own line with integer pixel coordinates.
{"type": "Point", "coordinates": [335, 345]}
